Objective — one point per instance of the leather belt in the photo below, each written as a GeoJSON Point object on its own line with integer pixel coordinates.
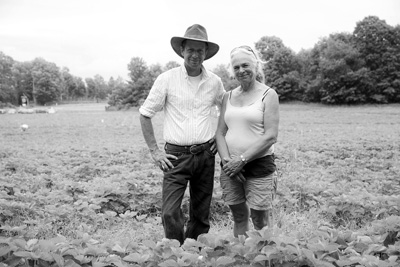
{"type": "Point", "coordinates": [192, 149]}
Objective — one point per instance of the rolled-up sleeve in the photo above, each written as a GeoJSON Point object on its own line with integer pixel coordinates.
{"type": "Point", "coordinates": [156, 99]}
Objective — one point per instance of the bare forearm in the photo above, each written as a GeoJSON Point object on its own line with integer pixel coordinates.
{"type": "Point", "coordinates": [222, 147]}
{"type": "Point", "coordinates": [148, 133]}
{"type": "Point", "coordinates": [259, 147]}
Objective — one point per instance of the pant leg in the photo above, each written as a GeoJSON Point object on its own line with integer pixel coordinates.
{"type": "Point", "coordinates": [201, 189]}
{"type": "Point", "coordinates": [174, 186]}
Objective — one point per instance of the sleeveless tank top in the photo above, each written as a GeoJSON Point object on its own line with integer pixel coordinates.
{"type": "Point", "coordinates": [245, 126]}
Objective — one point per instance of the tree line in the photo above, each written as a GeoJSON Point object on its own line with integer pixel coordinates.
{"type": "Point", "coordinates": [343, 68]}
{"type": "Point", "coordinates": [43, 82]}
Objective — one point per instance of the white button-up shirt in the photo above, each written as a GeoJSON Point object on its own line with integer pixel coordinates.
{"type": "Point", "coordinates": [187, 109]}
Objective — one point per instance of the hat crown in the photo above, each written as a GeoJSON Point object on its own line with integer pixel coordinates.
{"type": "Point", "coordinates": [196, 31]}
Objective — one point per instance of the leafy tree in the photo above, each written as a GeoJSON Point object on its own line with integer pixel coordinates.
{"type": "Point", "coordinates": [118, 88]}
{"type": "Point", "coordinates": [67, 84]}
{"type": "Point", "coordinates": [142, 78]}
{"type": "Point", "coordinates": [46, 81]}
{"type": "Point", "coordinates": [170, 65]}
{"type": "Point", "coordinates": [379, 45]}
{"type": "Point", "coordinates": [8, 93]}
{"type": "Point", "coordinates": [101, 87]}
{"type": "Point", "coordinates": [137, 68]}
{"type": "Point", "coordinates": [23, 79]}
{"type": "Point", "coordinates": [91, 89]}
{"type": "Point", "coordinates": [79, 90]}
{"type": "Point", "coordinates": [310, 77]}
{"type": "Point", "coordinates": [268, 46]}
{"type": "Point", "coordinates": [137, 86]}
{"type": "Point", "coordinates": [227, 78]}
{"type": "Point", "coordinates": [97, 88]}
{"type": "Point", "coordinates": [282, 67]}
{"type": "Point", "coordinates": [337, 71]}
{"type": "Point", "coordinates": [72, 87]}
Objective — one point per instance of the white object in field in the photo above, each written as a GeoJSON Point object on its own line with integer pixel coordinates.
{"type": "Point", "coordinates": [51, 110]}
{"type": "Point", "coordinates": [24, 127]}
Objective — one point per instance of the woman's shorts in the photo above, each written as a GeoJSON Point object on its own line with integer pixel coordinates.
{"type": "Point", "coordinates": [257, 192]}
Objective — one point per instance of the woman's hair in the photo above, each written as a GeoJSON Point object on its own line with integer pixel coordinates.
{"type": "Point", "coordinates": [259, 63]}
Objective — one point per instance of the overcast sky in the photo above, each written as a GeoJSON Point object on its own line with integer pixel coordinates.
{"type": "Point", "coordinates": [100, 37]}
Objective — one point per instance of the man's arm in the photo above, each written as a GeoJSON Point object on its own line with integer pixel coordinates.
{"type": "Point", "coordinates": [160, 157]}
{"type": "Point", "coordinates": [148, 133]}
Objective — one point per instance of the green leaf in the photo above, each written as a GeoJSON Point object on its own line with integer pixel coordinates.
{"type": "Point", "coordinates": [23, 254]}
{"type": "Point", "coordinates": [260, 258]}
{"type": "Point", "coordinates": [190, 258]}
{"type": "Point", "coordinates": [309, 254]}
{"type": "Point", "coordinates": [269, 250]}
{"type": "Point", "coordinates": [133, 257]}
{"type": "Point", "coordinates": [71, 263]}
{"type": "Point", "coordinates": [191, 243]}
{"type": "Point", "coordinates": [31, 244]}
{"type": "Point", "coordinates": [149, 244]}
{"type": "Point", "coordinates": [169, 263]}
{"type": "Point", "coordinates": [46, 256]}
{"type": "Point", "coordinates": [21, 243]}
{"type": "Point", "coordinates": [118, 248]}
{"type": "Point", "coordinates": [324, 264]}
{"type": "Point", "coordinates": [4, 250]}
{"type": "Point", "coordinates": [58, 259]}
{"type": "Point", "coordinates": [224, 260]}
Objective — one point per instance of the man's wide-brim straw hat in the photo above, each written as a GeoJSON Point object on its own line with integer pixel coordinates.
{"type": "Point", "coordinates": [195, 32]}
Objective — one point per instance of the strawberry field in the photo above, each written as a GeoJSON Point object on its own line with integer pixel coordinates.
{"type": "Point", "coordinates": [78, 188]}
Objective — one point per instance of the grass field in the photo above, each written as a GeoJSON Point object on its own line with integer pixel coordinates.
{"type": "Point", "coordinates": [83, 169]}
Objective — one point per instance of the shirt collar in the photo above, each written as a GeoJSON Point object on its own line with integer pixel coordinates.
{"type": "Point", "coordinates": [204, 73]}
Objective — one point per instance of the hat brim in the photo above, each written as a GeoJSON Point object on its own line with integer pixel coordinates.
{"type": "Point", "coordinates": [176, 42]}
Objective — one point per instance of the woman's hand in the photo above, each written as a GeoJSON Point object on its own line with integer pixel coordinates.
{"type": "Point", "coordinates": [239, 177]}
{"type": "Point", "coordinates": [233, 166]}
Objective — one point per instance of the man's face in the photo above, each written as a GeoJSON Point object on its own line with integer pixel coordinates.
{"type": "Point", "coordinates": [194, 53]}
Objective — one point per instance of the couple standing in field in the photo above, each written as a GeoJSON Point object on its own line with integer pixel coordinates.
{"type": "Point", "coordinates": [245, 136]}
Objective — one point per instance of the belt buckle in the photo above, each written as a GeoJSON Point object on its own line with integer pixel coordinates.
{"type": "Point", "coordinates": [193, 147]}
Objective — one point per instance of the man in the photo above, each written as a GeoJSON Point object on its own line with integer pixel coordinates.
{"type": "Point", "coordinates": [186, 94]}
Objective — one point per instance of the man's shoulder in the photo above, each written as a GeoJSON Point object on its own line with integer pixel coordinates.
{"type": "Point", "coordinates": [173, 70]}
{"type": "Point", "coordinates": [170, 73]}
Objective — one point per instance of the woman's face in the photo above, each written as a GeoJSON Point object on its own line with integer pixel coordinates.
{"type": "Point", "coordinates": [243, 65]}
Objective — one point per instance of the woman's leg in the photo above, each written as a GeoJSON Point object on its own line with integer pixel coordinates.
{"type": "Point", "coordinates": [241, 216]}
{"type": "Point", "coordinates": [260, 193]}
{"type": "Point", "coordinates": [261, 218]}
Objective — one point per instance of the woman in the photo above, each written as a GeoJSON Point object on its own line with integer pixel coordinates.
{"type": "Point", "coordinates": [246, 133]}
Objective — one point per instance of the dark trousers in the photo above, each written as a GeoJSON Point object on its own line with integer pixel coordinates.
{"type": "Point", "coordinates": [197, 170]}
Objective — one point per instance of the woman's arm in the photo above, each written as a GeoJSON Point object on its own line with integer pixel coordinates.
{"type": "Point", "coordinates": [222, 128]}
{"type": "Point", "coordinates": [271, 128]}
{"type": "Point", "coordinates": [223, 150]}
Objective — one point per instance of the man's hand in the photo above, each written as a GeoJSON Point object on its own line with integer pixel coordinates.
{"type": "Point", "coordinates": [213, 147]}
{"type": "Point", "coordinates": [161, 159]}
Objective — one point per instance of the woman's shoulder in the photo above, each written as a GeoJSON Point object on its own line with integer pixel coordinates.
{"type": "Point", "coordinates": [267, 90]}
{"type": "Point", "coordinates": [232, 92]}
{"type": "Point", "coordinates": [269, 94]}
